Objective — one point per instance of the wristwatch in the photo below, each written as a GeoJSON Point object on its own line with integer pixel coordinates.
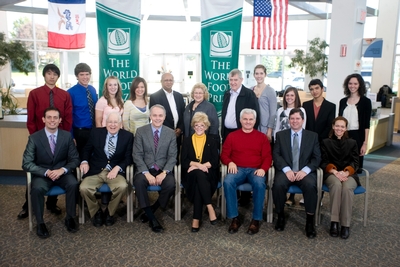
{"type": "Point", "coordinates": [166, 172]}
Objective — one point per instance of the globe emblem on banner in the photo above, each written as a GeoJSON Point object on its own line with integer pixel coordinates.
{"type": "Point", "coordinates": [118, 41]}
{"type": "Point", "coordinates": [221, 43]}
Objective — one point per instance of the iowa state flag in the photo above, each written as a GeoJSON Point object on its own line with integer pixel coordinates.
{"type": "Point", "coordinates": [67, 24]}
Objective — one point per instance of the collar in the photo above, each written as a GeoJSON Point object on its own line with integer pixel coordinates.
{"type": "Point", "coordinates": [238, 90]}
{"type": "Point", "coordinates": [49, 133]}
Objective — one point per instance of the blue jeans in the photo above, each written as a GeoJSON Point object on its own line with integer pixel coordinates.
{"type": "Point", "coordinates": [232, 181]}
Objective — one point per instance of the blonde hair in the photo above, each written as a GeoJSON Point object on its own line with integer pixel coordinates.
{"type": "Point", "coordinates": [200, 117]}
{"type": "Point", "coordinates": [201, 86]}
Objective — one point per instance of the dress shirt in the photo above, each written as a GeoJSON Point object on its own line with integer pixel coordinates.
{"type": "Point", "coordinates": [112, 140]}
{"type": "Point", "coordinates": [80, 106]}
{"type": "Point", "coordinates": [55, 141]}
{"type": "Point", "coordinates": [230, 119]}
{"type": "Point", "coordinates": [305, 169]}
{"type": "Point", "coordinates": [172, 106]}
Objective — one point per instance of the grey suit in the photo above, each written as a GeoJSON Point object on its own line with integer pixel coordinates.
{"type": "Point", "coordinates": [310, 156]}
{"type": "Point", "coordinates": [145, 158]}
{"type": "Point", "coordinates": [38, 158]}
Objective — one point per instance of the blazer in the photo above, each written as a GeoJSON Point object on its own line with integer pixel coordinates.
{"type": "Point", "coordinates": [159, 97]}
{"type": "Point", "coordinates": [94, 154]}
{"type": "Point", "coordinates": [323, 123]}
{"type": "Point", "coordinates": [144, 154]}
{"type": "Point", "coordinates": [310, 153]}
{"type": "Point", "coordinates": [38, 158]}
{"type": "Point", "coordinates": [246, 99]}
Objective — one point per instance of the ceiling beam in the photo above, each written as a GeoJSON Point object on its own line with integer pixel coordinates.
{"type": "Point", "coordinates": [10, 2]}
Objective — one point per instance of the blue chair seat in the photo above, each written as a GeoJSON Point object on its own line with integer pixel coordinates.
{"type": "Point", "coordinates": [154, 188]}
{"type": "Point", "coordinates": [55, 191]}
{"type": "Point", "coordinates": [294, 189]}
{"type": "Point", "coordinates": [104, 189]}
{"type": "Point", "coordinates": [359, 190]}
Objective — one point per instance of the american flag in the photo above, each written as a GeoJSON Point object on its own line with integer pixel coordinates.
{"type": "Point", "coordinates": [269, 24]}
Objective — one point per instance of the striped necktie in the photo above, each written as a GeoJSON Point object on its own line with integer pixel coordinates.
{"type": "Point", "coordinates": [111, 150]}
{"type": "Point", "coordinates": [51, 98]}
{"type": "Point", "coordinates": [52, 143]}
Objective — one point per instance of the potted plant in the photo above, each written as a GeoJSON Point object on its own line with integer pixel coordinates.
{"type": "Point", "coordinates": [8, 101]}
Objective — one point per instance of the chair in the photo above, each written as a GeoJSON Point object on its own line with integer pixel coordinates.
{"type": "Point", "coordinates": [54, 191]}
{"type": "Point", "coordinates": [247, 187]}
{"type": "Point", "coordinates": [179, 181]}
{"type": "Point", "coordinates": [359, 190]}
{"type": "Point", "coordinates": [104, 189]}
{"type": "Point", "coordinates": [154, 188]}
{"type": "Point", "coordinates": [294, 189]}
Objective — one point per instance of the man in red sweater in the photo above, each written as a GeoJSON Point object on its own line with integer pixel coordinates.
{"type": "Point", "coordinates": [48, 95]}
{"type": "Point", "coordinates": [247, 153]}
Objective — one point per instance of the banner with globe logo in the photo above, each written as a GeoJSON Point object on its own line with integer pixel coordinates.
{"type": "Point", "coordinates": [221, 21]}
{"type": "Point", "coordinates": [118, 26]}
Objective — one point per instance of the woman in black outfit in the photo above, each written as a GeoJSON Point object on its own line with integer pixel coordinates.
{"type": "Point", "coordinates": [200, 161]}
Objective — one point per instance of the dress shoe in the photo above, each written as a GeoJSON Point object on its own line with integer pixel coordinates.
{"type": "Point", "coordinates": [235, 224]}
{"type": "Point", "coordinates": [98, 218]}
{"type": "Point", "coordinates": [214, 222]}
{"type": "Point", "coordinates": [109, 221]}
{"type": "Point", "coordinates": [23, 214]}
{"type": "Point", "coordinates": [289, 202]}
{"type": "Point", "coordinates": [195, 229]}
{"type": "Point", "coordinates": [280, 223]}
{"type": "Point", "coordinates": [71, 225]}
{"type": "Point", "coordinates": [56, 210]}
{"type": "Point", "coordinates": [253, 227]}
{"type": "Point", "coordinates": [310, 230]}
{"type": "Point", "coordinates": [334, 232]}
{"type": "Point", "coordinates": [144, 218]}
{"type": "Point", "coordinates": [345, 232]}
{"type": "Point", "coordinates": [156, 226]}
{"type": "Point", "coordinates": [42, 231]}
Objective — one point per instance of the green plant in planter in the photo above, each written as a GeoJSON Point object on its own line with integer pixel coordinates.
{"type": "Point", "coordinates": [314, 62]}
{"type": "Point", "coordinates": [8, 100]}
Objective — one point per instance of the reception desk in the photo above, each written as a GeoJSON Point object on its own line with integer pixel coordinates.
{"type": "Point", "coordinates": [378, 133]}
{"type": "Point", "coordinates": [13, 140]}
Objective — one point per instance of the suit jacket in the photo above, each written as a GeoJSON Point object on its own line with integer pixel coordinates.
{"type": "Point", "coordinates": [310, 153]}
{"type": "Point", "coordinates": [38, 158]}
{"type": "Point", "coordinates": [94, 154]}
{"type": "Point", "coordinates": [323, 124]}
{"type": "Point", "coordinates": [245, 99]}
{"type": "Point", "coordinates": [144, 154]}
{"type": "Point", "coordinates": [159, 97]}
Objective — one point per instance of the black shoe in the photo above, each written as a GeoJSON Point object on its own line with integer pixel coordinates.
{"type": "Point", "coordinates": [109, 221]}
{"type": "Point", "coordinates": [310, 230]}
{"type": "Point", "coordinates": [71, 225]}
{"type": "Point", "coordinates": [156, 226]}
{"type": "Point", "coordinates": [144, 218]}
{"type": "Point", "coordinates": [334, 231]}
{"type": "Point", "coordinates": [56, 210]}
{"type": "Point", "coordinates": [98, 218]}
{"type": "Point", "coordinates": [214, 222]}
{"type": "Point", "coordinates": [195, 229]}
{"type": "Point", "coordinates": [23, 214]}
{"type": "Point", "coordinates": [345, 232]}
{"type": "Point", "coordinates": [42, 231]}
{"type": "Point", "coordinates": [280, 223]}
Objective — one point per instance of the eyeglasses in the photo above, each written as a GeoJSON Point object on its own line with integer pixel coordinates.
{"type": "Point", "coordinates": [199, 126]}
{"type": "Point", "coordinates": [168, 81]}
{"type": "Point", "coordinates": [198, 93]}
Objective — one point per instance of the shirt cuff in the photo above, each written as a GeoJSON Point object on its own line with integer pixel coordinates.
{"type": "Point", "coordinates": [65, 170]}
{"type": "Point", "coordinates": [306, 169]}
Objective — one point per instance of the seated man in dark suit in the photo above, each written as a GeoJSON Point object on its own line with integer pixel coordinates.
{"type": "Point", "coordinates": [50, 156]}
{"type": "Point", "coordinates": [296, 157]}
{"type": "Point", "coordinates": [104, 160]}
{"type": "Point", "coordinates": [154, 154]}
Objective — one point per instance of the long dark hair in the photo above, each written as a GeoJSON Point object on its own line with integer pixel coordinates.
{"type": "Point", "coordinates": [361, 89]}
{"type": "Point", "coordinates": [134, 85]}
{"type": "Point", "coordinates": [297, 103]}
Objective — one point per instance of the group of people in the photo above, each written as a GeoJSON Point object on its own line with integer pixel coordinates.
{"type": "Point", "coordinates": [107, 135]}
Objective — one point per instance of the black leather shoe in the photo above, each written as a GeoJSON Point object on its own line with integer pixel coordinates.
{"type": "Point", "coordinates": [144, 218]}
{"type": "Point", "coordinates": [42, 231]}
{"type": "Point", "coordinates": [310, 230]}
{"type": "Point", "coordinates": [23, 214]}
{"type": "Point", "coordinates": [71, 225]}
{"type": "Point", "coordinates": [156, 226]}
{"type": "Point", "coordinates": [345, 232]}
{"type": "Point", "coordinates": [109, 219]}
{"type": "Point", "coordinates": [235, 224]}
{"type": "Point", "coordinates": [98, 218]}
{"type": "Point", "coordinates": [334, 232]}
{"type": "Point", "coordinates": [56, 210]}
{"type": "Point", "coordinates": [214, 222]}
{"type": "Point", "coordinates": [280, 223]}
{"type": "Point", "coordinates": [195, 229]}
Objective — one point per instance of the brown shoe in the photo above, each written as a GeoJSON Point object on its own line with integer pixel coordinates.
{"type": "Point", "coordinates": [234, 227]}
{"type": "Point", "coordinates": [253, 227]}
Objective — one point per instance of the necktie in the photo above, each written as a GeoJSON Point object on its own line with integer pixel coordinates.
{"type": "Point", "coordinates": [90, 104]}
{"type": "Point", "coordinates": [156, 139]}
{"type": "Point", "coordinates": [111, 150]}
{"type": "Point", "coordinates": [295, 152]}
{"type": "Point", "coordinates": [52, 143]}
{"type": "Point", "coordinates": [51, 99]}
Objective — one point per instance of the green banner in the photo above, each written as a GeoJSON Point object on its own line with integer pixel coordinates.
{"type": "Point", "coordinates": [119, 38]}
{"type": "Point", "coordinates": [221, 21]}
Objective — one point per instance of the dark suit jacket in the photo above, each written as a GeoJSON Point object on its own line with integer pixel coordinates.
{"type": "Point", "coordinates": [159, 97]}
{"type": "Point", "coordinates": [246, 99]}
{"type": "Point", "coordinates": [323, 124]}
{"type": "Point", "coordinates": [38, 158]}
{"type": "Point", "coordinates": [94, 153]}
{"type": "Point", "coordinates": [144, 154]}
{"type": "Point", "coordinates": [310, 153]}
